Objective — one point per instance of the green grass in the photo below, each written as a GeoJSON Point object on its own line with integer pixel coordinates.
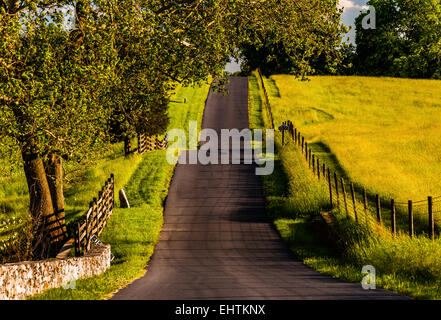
{"type": "Point", "coordinates": [382, 134]}
{"type": "Point", "coordinates": [133, 233]}
{"type": "Point", "coordinates": [83, 181]}
{"type": "Point", "coordinates": [294, 199]}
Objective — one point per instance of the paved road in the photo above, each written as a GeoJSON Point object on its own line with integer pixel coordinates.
{"type": "Point", "coordinates": [217, 242]}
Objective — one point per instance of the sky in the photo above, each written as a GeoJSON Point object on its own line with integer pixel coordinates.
{"type": "Point", "coordinates": [352, 9]}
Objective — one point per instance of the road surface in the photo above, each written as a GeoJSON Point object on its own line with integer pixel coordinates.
{"type": "Point", "coordinates": [218, 243]}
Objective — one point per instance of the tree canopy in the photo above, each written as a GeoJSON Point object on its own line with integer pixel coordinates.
{"type": "Point", "coordinates": [75, 75]}
{"type": "Point", "coordinates": [406, 41]}
{"type": "Point", "coordinates": [296, 37]}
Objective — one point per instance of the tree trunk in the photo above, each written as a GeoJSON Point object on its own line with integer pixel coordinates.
{"type": "Point", "coordinates": [81, 10]}
{"type": "Point", "coordinates": [41, 206]}
{"type": "Point", "coordinates": [13, 6]}
{"type": "Point", "coordinates": [54, 173]}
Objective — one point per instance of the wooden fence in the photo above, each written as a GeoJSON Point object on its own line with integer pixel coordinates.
{"type": "Point", "coordinates": [95, 219]}
{"type": "Point", "coordinates": [364, 208]}
{"type": "Point", "coordinates": [267, 103]}
{"type": "Point", "coordinates": [55, 228]}
{"type": "Point", "coordinates": [145, 144]}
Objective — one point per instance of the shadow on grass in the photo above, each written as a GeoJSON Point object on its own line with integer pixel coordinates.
{"type": "Point", "coordinates": [296, 221]}
{"type": "Point", "coordinates": [324, 153]}
{"type": "Point", "coordinates": [272, 88]}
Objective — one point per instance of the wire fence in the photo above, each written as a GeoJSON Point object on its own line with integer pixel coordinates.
{"type": "Point", "coordinates": [411, 217]}
{"type": "Point", "coordinates": [267, 103]}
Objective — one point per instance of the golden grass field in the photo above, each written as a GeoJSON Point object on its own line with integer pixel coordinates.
{"type": "Point", "coordinates": [294, 196]}
{"type": "Point", "coordinates": [385, 133]}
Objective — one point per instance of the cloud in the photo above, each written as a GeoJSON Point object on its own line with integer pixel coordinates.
{"type": "Point", "coordinates": [351, 4]}
{"type": "Point", "coordinates": [352, 9]}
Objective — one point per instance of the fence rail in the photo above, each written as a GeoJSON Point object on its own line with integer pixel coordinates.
{"type": "Point", "coordinates": [267, 102]}
{"type": "Point", "coordinates": [96, 218]}
{"type": "Point", "coordinates": [371, 210]}
{"type": "Point", "coordinates": [55, 228]}
{"type": "Point", "coordinates": [145, 144]}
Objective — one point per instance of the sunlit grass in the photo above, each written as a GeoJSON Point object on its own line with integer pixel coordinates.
{"type": "Point", "coordinates": [385, 132]}
{"type": "Point", "coordinates": [133, 233]}
{"type": "Point", "coordinates": [382, 134]}
{"type": "Point", "coordinates": [83, 181]}
{"type": "Point", "coordinates": [294, 198]}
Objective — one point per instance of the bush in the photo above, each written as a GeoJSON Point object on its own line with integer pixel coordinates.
{"type": "Point", "coordinates": [17, 246]}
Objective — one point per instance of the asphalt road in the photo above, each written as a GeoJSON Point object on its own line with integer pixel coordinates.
{"type": "Point", "coordinates": [217, 242]}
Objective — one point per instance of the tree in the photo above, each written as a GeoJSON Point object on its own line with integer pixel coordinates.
{"type": "Point", "coordinates": [289, 36]}
{"type": "Point", "coordinates": [50, 79]}
{"type": "Point", "coordinates": [406, 42]}
{"type": "Point", "coordinates": [62, 85]}
{"type": "Point", "coordinates": [72, 70]}
{"type": "Point", "coordinates": [159, 44]}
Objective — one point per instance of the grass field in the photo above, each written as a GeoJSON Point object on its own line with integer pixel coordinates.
{"type": "Point", "coordinates": [132, 233]}
{"type": "Point", "coordinates": [383, 134]}
{"type": "Point", "coordinates": [294, 198]}
{"type": "Point", "coordinates": [83, 181]}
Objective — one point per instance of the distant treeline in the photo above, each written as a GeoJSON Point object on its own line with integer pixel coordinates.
{"type": "Point", "coordinates": [406, 42]}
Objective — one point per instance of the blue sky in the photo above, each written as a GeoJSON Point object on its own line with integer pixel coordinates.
{"type": "Point", "coordinates": [352, 9]}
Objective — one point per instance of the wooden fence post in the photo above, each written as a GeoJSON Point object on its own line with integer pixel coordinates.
{"type": "Point", "coordinates": [303, 144]}
{"type": "Point", "coordinates": [343, 188]}
{"type": "Point", "coordinates": [283, 137]}
{"type": "Point", "coordinates": [295, 136]}
{"type": "Point", "coordinates": [148, 145]}
{"type": "Point", "coordinates": [330, 189]}
{"type": "Point", "coordinates": [95, 216]}
{"type": "Point", "coordinates": [309, 158]}
{"type": "Point", "coordinates": [313, 164]}
{"type": "Point", "coordinates": [306, 151]}
{"type": "Point", "coordinates": [318, 168]}
{"type": "Point", "coordinates": [431, 219]}
{"type": "Point", "coordinates": [86, 247]}
{"type": "Point", "coordinates": [393, 218]}
{"type": "Point", "coordinates": [89, 223]}
{"type": "Point", "coordinates": [336, 189]}
{"type": "Point", "coordinates": [379, 209]}
{"type": "Point", "coordinates": [324, 171]}
{"type": "Point", "coordinates": [410, 208]}
{"type": "Point", "coordinates": [127, 146]}
{"type": "Point", "coordinates": [298, 138]}
{"type": "Point", "coordinates": [112, 189]}
{"type": "Point", "coordinates": [353, 201]}
{"type": "Point", "coordinates": [365, 204]}
{"type": "Point", "coordinates": [77, 239]}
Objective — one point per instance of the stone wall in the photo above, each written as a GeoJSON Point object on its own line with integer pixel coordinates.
{"type": "Point", "coordinates": [20, 280]}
